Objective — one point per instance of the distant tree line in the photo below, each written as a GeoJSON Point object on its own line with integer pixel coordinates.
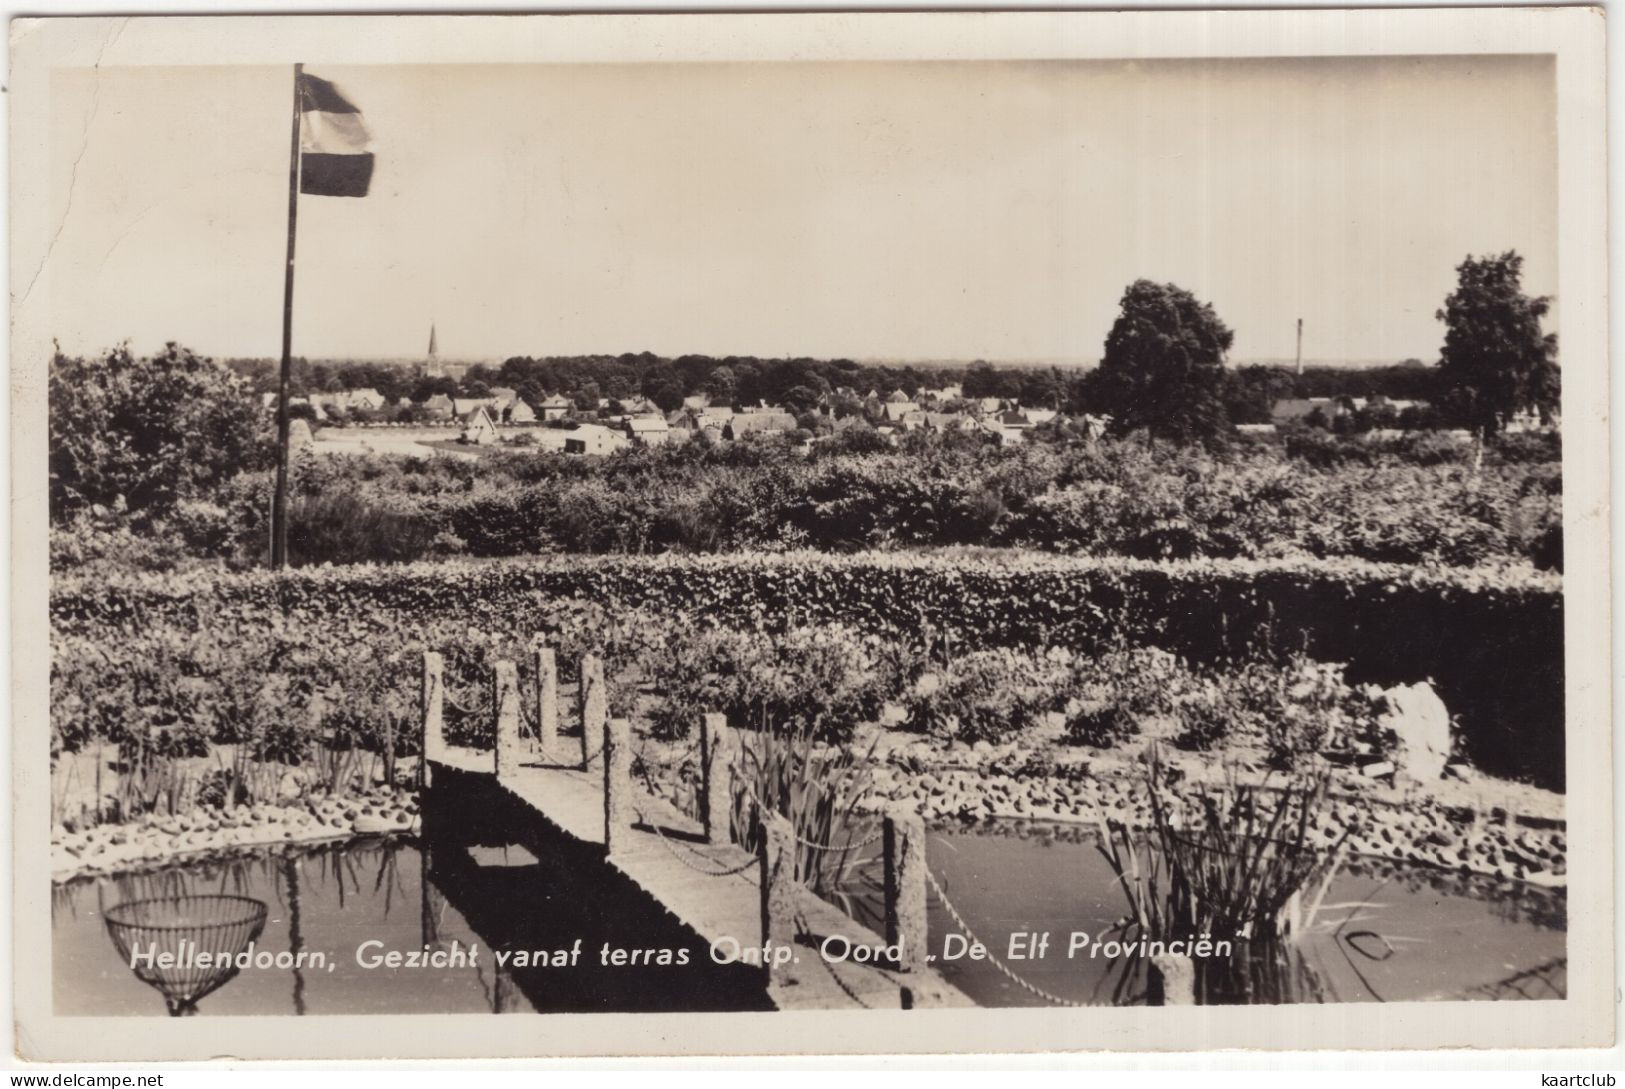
{"type": "Point", "coordinates": [1165, 370]}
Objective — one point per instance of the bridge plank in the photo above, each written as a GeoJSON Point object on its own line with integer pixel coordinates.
{"type": "Point", "coordinates": [666, 859]}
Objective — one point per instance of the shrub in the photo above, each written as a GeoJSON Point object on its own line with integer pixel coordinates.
{"type": "Point", "coordinates": [822, 681]}
{"type": "Point", "coordinates": [988, 695]}
{"type": "Point", "coordinates": [1390, 624]}
{"type": "Point", "coordinates": [1301, 707]}
{"type": "Point", "coordinates": [1529, 447]}
{"type": "Point", "coordinates": [98, 538]}
{"type": "Point", "coordinates": [342, 527]}
{"type": "Point", "coordinates": [147, 432]}
{"type": "Point", "coordinates": [1206, 717]}
{"type": "Point", "coordinates": [1111, 695]}
{"type": "Point", "coordinates": [1366, 499]}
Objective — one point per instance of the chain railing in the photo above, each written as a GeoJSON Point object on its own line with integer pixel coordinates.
{"type": "Point", "coordinates": [1008, 972]}
{"type": "Point", "coordinates": [763, 807]}
{"type": "Point", "coordinates": [672, 846]}
{"type": "Point", "coordinates": [623, 762]}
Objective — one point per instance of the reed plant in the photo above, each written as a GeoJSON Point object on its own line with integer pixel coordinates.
{"type": "Point", "coordinates": [818, 788]}
{"type": "Point", "coordinates": [1237, 861]}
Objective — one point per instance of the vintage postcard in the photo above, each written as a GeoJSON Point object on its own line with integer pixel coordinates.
{"type": "Point", "coordinates": [818, 533]}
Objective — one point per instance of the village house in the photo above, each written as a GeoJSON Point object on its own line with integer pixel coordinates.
{"type": "Point", "coordinates": [1290, 410]}
{"type": "Point", "coordinates": [506, 407]}
{"type": "Point", "coordinates": [478, 428]}
{"type": "Point", "coordinates": [1004, 433]}
{"type": "Point", "coordinates": [648, 430]}
{"type": "Point", "coordinates": [895, 410]}
{"type": "Point", "coordinates": [758, 423]}
{"type": "Point", "coordinates": [438, 407]}
{"type": "Point", "coordinates": [593, 439]}
{"type": "Point", "coordinates": [555, 407]}
{"type": "Point", "coordinates": [943, 422]}
{"type": "Point", "coordinates": [1017, 420]}
{"type": "Point", "coordinates": [716, 416]}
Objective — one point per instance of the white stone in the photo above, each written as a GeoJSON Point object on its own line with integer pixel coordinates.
{"type": "Point", "coordinates": [1421, 728]}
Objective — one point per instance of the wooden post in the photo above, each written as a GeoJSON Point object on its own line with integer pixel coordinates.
{"type": "Point", "coordinates": [617, 784]}
{"type": "Point", "coordinates": [505, 705]}
{"type": "Point", "coordinates": [1172, 980]}
{"type": "Point", "coordinates": [547, 700]}
{"type": "Point", "coordinates": [716, 778]}
{"type": "Point", "coordinates": [433, 739]}
{"type": "Point", "coordinates": [594, 710]}
{"type": "Point", "coordinates": [777, 856]}
{"type": "Point", "coordinates": [903, 837]}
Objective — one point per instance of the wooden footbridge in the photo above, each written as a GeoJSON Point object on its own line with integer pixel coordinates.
{"type": "Point", "coordinates": [580, 793]}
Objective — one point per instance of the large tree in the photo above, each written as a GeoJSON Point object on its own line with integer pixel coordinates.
{"type": "Point", "coordinates": [149, 431]}
{"type": "Point", "coordinates": [1163, 368]}
{"type": "Point", "coordinates": [1496, 362]}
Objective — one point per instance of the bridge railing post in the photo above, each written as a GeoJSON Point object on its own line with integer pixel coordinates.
{"type": "Point", "coordinates": [547, 700]}
{"type": "Point", "coordinates": [777, 858]}
{"type": "Point", "coordinates": [1171, 981]}
{"type": "Point", "coordinates": [505, 705]}
{"type": "Point", "coordinates": [903, 839]}
{"type": "Point", "coordinates": [617, 784]}
{"type": "Point", "coordinates": [594, 710]}
{"type": "Point", "coordinates": [716, 778]}
{"type": "Point", "coordinates": [432, 740]}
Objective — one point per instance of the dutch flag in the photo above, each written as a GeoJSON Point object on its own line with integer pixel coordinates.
{"type": "Point", "coordinates": [333, 160]}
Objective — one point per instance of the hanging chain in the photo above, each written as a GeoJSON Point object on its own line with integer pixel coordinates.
{"type": "Point", "coordinates": [671, 846]}
{"type": "Point", "coordinates": [953, 912]}
{"type": "Point", "coordinates": [804, 928]}
{"type": "Point", "coordinates": [765, 808]}
{"type": "Point", "coordinates": [667, 765]}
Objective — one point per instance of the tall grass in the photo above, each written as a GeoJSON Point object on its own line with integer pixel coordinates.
{"type": "Point", "coordinates": [1234, 862]}
{"type": "Point", "coordinates": [817, 788]}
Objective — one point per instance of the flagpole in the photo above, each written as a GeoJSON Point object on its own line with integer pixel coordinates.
{"type": "Point", "coordinates": [279, 502]}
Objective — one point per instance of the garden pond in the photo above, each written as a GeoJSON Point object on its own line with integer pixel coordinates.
{"type": "Point", "coordinates": [1385, 932]}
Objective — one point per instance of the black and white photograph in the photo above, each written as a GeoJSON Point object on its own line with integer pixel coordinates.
{"type": "Point", "coordinates": [710, 515]}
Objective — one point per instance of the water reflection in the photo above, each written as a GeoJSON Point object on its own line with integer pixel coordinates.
{"type": "Point", "coordinates": [1386, 933]}
{"type": "Point", "coordinates": [186, 947]}
{"type": "Point", "coordinates": [334, 913]}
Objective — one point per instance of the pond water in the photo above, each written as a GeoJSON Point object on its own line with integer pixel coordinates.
{"type": "Point", "coordinates": [1385, 933]}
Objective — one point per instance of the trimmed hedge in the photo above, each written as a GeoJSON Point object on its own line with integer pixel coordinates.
{"type": "Point", "coordinates": [1491, 640]}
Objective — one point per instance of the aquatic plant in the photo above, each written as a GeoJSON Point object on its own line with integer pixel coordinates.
{"type": "Point", "coordinates": [1236, 861]}
{"type": "Point", "coordinates": [818, 788]}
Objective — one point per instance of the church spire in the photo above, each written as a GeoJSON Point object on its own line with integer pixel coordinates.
{"type": "Point", "coordinates": [433, 362]}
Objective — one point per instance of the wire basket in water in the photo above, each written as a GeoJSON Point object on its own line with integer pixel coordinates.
{"type": "Point", "coordinates": [202, 935]}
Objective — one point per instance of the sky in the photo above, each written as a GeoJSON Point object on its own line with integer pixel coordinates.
{"type": "Point", "coordinates": [867, 210]}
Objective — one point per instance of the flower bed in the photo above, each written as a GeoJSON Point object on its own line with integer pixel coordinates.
{"type": "Point", "coordinates": [1490, 639]}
